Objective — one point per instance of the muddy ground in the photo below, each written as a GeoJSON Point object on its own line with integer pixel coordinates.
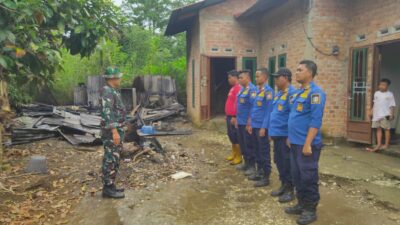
{"type": "Point", "coordinates": [356, 187]}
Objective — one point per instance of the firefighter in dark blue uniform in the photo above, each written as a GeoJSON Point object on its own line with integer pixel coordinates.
{"type": "Point", "coordinates": [245, 101]}
{"type": "Point", "coordinates": [278, 131]}
{"type": "Point", "coordinates": [259, 116]}
{"type": "Point", "coordinates": [305, 120]}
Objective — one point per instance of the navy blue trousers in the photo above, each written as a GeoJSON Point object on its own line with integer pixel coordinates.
{"type": "Point", "coordinates": [305, 173]}
{"type": "Point", "coordinates": [282, 159]}
{"type": "Point", "coordinates": [232, 131]}
{"type": "Point", "coordinates": [246, 145]}
{"type": "Point", "coordinates": [262, 151]}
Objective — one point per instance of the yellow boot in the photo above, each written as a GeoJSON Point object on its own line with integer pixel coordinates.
{"type": "Point", "coordinates": [238, 155]}
{"type": "Point", "coordinates": [232, 155]}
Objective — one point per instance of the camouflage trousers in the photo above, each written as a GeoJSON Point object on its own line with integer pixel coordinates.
{"type": "Point", "coordinates": [111, 160]}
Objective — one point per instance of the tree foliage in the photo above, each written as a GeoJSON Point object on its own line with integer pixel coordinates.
{"type": "Point", "coordinates": [151, 14]}
{"type": "Point", "coordinates": [33, 32]}
{"type": "Point", "coordinates": [44, 44]}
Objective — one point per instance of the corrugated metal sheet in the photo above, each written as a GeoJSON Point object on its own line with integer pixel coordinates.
{"type": "Point", "coordinates": [94, 84]}
{"type": "Point", "coordinates": [129, 98]}
{"type": "Point", "coordinates": [160, 90]}
{"type": "Point", "coordinates": [80, 95]}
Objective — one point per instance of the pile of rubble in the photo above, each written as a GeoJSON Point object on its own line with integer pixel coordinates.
{"type": "Point", "coordinates": [81, 125]}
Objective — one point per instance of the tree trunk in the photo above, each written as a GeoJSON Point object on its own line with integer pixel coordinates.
{"type": "Point", "coordinates": [1, 147]}
{"type": "Point", "coordinates": [4, 112]}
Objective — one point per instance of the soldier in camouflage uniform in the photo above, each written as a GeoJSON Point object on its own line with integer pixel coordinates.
{"type": "Point", "coordinates": [113, 121]}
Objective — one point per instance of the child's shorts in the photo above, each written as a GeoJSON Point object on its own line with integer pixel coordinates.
{"type": "Point", "coordinates": [383, 123]}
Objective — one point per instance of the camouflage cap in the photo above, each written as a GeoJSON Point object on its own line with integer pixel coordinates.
{"type": "Point", "coordinates": [112, 72]}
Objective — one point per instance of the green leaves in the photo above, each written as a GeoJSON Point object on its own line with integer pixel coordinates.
{"type": "Point", "coordinates": [3, 62]}
{"type": "Point", "coordinates": [9, 4]}
{"type": "Point", "coordinates": [33, 31]}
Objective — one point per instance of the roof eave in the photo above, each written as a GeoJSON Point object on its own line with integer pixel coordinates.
{"type": "Point", "coordinates": [180, 21]}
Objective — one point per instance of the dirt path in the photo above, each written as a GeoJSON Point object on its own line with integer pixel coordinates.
{"type": "Point", "coordinates": [218, 194]}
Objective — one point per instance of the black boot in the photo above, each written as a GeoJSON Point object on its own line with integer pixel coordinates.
{"type": "Point", "coordinates": [309, 214]}
{"type": "Point", "coordinates": [243, 166]}
{"type": "Point", "coordinates": [110, 192]}
{"type": "Point", "coordinates": [295, 210]}
{"type": "Point", "coordinates": [263, 182]}
{"type": "Point", "coordinates": [251, 170]}
{"type": "Point", "coordinates": [278, 192]}
{"type": "Point", "coordinates": [288, 194]}
{"type": "Point", "coordinates": [118, 189]}
{"type": "Point", "coordinates": [256, 176]}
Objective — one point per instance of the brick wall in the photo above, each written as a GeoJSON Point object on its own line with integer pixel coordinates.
{"type": "Point", "coordinates": [329, 22]}
{"type": "Point", "coordinates": [368, 17]}
{"type": "Point", "coordinates": [219, 29]}
{"type": "Point", "coordinates": [283, 26]}
{"type": "Point", "coordinates": [307, 32]}
{"type": "Point", "coordinates": [338, 23]}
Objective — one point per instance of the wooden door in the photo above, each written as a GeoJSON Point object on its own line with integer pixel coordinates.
{"type": "Point", "coordinates": [359, 125]}
{"type": "Point", "coordinates": [205, 79]}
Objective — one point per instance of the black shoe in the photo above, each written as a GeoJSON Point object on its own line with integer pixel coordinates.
{"type": "Point", "coordinates": [307, 217]}
{"type": "Point", "coordinates": [118, 189]}
{"type": "Point", "coordinates": [278, 192]}
{"type": "Point", "coordinates": [263, 182]}
{"type": "Point", "coordinates": [294, 210]}
{"type": "Point", "coordinates": [287, 196]}
{"type": "Point", "coordinates": [250, 171]}
{"type": "Point", "coordinates": [110, 192]}
{"type": "Point", "coordinates": [255, 176]}
{"type": "Point", "coordinates": [242, 167]}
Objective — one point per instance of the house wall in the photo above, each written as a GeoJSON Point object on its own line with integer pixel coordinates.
{"type": "Point", "coordinates": [283, 26]}
{"type": "Point", "coordinates": [330, 27]}
{"type": "Point", "coordinates": [311, 32]}
{"type": "Point", "coordinates": [324, 23]}
{"type": "Point", "coordinates": [339, 23]}
{"type": "Point", "coordinates": [368, 17]}
{"type": "Point", "coordinates": [219, 29]}
{"type": "Point", "coordinates": [193, 39]}
{"type": "Point", "coordinates": [306, 33]}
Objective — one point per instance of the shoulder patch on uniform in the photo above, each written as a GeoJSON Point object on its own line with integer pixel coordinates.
{"type": "Point", "coordinates": [316, 98]}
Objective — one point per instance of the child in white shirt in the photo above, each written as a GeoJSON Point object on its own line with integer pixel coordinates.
{"type": "Point", "coordinates": [382, 114]}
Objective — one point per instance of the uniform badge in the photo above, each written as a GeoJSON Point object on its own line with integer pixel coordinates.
{"type": "Point", "coordinates": [284, 97]}
{"type": "Point", "coordinates": [253, 94]}
{"type": "Point", "coordinates": [299, 107]}
{"type": "Point", "coordinates": [241, 100]}
{"type": "Point", "coordinates": [315, 99]}
{"type": "Point", "coordinates": [259, 103]}
{"type": "Point", "coordinates": [280, 107]}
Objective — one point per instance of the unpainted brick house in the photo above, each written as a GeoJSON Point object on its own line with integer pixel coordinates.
{"type": "Point", "coordinates": [354, 43]}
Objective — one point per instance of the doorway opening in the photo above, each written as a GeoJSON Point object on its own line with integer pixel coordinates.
{"type": "Point", "coordinates": [390, 69]}
{"type": "Point", "coordinates": [219, 87]}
